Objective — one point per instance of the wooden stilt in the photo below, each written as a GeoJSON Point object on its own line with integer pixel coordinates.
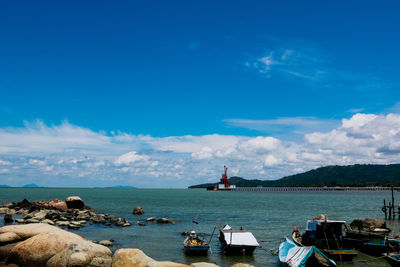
{"type": "Point", "coordinates": [384, 209]}
{"type": "Point", "coordinates": [393, 204]}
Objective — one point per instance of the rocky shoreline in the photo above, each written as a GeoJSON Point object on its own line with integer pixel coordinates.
{"type": "Point", "coordinates": [40, 240]}
{"type": "Point", "coordinates": [71, 213]}
{"type": "Point", "coordinates": [39, 244]}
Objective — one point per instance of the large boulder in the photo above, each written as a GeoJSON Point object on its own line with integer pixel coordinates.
{"type": "Point", "coordinates": [321, 217]}
{"type": "Point", "coordinates": [28, 230]}
{"type": "Point", "coordinates": [74, 202]}
{"type": "Point", "coordinates": [5, 251]}
{"type": "Point", "coordinates": [242, 265]}
{"type": "Point", "coordinates": [83, 253]}
{"type": "Point", "coordinates": [138, 210]}
{"type": "Point", "coordinates": [130, 257]}
{"type": "Point", "coordinates": [203, 264]}
{"type": "Point", "coordinates": [58, 205]}
{"type": "Point", "coordinates": [166, 264]}
{"type": "Point", "coordinates": [9, 237]}
{"type": "Point", "coordinates": [369, 223]}
{"type": "Point", "coordinates": [37, 250]}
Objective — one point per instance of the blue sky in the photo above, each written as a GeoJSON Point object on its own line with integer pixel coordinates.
{"type": "Point", "coordinates": [208, 71]}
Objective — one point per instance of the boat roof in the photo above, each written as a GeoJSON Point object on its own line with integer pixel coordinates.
{"type": "Point", "coordinates": [239, 237]}
{"type": "Point", "coordinates": [327, 221]}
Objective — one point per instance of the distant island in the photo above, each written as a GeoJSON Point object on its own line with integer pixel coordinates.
{"type": "Point", "coordinates": [26, 186]}
{"type": "Point", "coordinates": [353, 175]}
{"type": "Point", "coordinates": [32, 186]}
{"type": "Point", "coordinates": [38, 186]}
{"type": "Point", "coordinates": [120, 186]}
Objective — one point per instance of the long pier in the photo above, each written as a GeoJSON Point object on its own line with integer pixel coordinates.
{"type": "Point", "coordinates": [336, 188]}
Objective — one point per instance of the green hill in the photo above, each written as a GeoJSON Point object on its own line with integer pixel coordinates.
{"type": "Point", "coordinates": [352, 175]}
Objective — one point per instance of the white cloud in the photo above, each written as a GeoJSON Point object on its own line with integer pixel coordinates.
{"type": "Point", "coordinates": [205, 153]}
{"type": "Point", "coordinates": [2, 171]}
{"type": "Point", "coordinates": [37, 162]}
{"type": "Point", "coordinates": [271, 160]}
{"type": "Point", "coordinates": [260, 144]}
{"type": "Point", "coordinates": [61, 157]}
{"type": "Point", "coordinates": [130, 157]}
{"type": "Point", "coordinates": [3, 162]}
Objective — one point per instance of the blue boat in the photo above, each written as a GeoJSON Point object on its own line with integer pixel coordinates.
{"type": "Point", "coordinates": [295, 256]}
{"type": "Point", "coordinates": [194, 245]}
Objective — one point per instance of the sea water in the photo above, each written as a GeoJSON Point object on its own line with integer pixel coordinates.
{"type": "Point", "coordinates": [270, 216]}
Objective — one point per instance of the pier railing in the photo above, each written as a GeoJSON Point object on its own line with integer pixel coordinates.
{"type": "Point", "coordinates": [336, 188]}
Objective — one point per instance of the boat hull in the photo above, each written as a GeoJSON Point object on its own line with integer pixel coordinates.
{"type": "Point", "coordinates": [237, 250]}
{"type": "Point", "coordinates": [394, 260]}
{"type": "Point", "coordinates": [196, 250]}
{"type": "Point", "coordinates": [237, 241]}
{"type": "Point", "coordinates": [340, 255]}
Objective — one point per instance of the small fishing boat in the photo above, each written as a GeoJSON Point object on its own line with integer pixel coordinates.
{"type": "Point", "coordinates": [237, 241]}
{"type": "Point", "coordinates": [194, 245]}
{"type": "Point", "coordinates": [373, 243]}
{"type": "Point", "coordinates": [293, 255]}
{"type": "Point", "coordinates": [326, 235]}
{"type": "Point", "coordinates": [394, 260]}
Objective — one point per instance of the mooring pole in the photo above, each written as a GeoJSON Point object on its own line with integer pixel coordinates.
{"type": "Point", "coordinates": [384, 209]}
{"type": "Point", "coordinates": [393, 204]}
{"type": "Point", "coordinates": [390, 211]}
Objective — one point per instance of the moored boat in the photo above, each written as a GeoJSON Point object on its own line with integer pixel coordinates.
{"type": "Point", "coordinates": [326, 235]}
{"type": "Point", "coordinates": [237, 241]}
{"type": "Point", "coordinates": [373, 243]}
{"type": "Point", "coordinates": [293, 255]}
{"type": "Point", "coordinates": [394, 260]}
{"type": "Point", "coordinates": [194, 245]}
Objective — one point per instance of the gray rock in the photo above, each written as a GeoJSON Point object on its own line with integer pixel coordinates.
{"type": "Point", "coordinates": [8, 218]}
{"type": "Point", "coordinates": [31, 220]}
{"type": "Point", "coordinates": [73, 226]}
{"type": "Point", "coordinates": [151, 219]}
{"type": "Point", "coordinates": [62, 223]}
{"type": "Point", "coordinates": [74, 202]}
{"type": "Point", "coordinates": [165, 221]}
{"type": "Point", "coordinates": [140, 223]}
{"type": "Point", "coordinates": [106, 243]}
{"type": "Point", "coordinates": [138, 210]}
{"type": "Point", "coordinates": [3, 210]}
{"type": "Point", "coordinates": [48, 221]}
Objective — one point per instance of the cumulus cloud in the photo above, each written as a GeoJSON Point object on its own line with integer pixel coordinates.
{"type": "Point", "coordinates": [69, 155]}
{"type": "Point", "coordinates": [129, 158]}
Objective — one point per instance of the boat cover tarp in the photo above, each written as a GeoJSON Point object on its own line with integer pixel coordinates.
{"type": "Point", "coordinates": [296, 256]}
{"type": "Point", "coordinates": [239, 237]}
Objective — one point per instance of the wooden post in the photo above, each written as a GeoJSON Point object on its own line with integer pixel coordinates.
{"type": "Point", "coordinates": [390, 211]}
{"type": "Point", "coordinates": [393, 204]}
{"type": "Point", "coordinates": [384, 209]}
